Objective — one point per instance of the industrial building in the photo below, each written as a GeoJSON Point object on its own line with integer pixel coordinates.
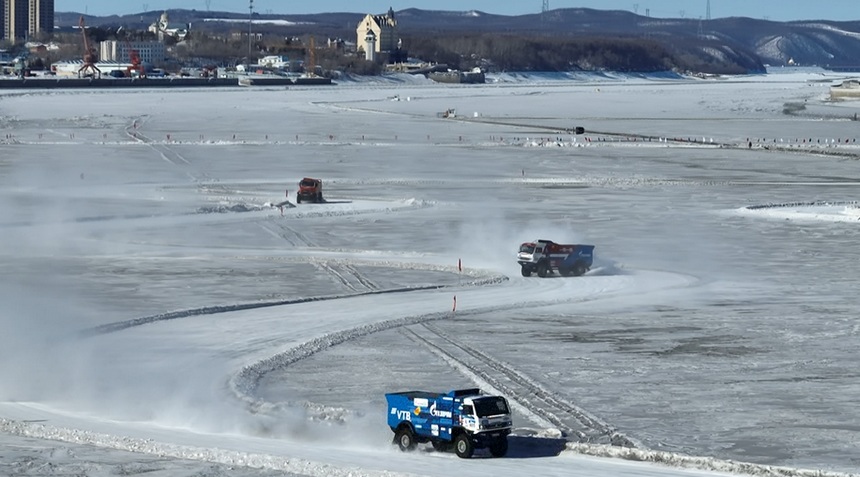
{"type": "Point", "coordinates": [23, 19]}
{"type": "Point", "coordinates": [149, 52]}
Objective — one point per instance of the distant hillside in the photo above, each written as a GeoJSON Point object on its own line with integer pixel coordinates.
{"type": "Point", "coordinates": [747, 42]}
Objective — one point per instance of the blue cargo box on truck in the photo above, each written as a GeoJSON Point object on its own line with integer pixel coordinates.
{"type": "Point", "coordinates": [465, 419]}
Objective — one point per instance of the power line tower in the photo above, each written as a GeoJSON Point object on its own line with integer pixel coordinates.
{"type": "Point", "coordinates": [544, 12]}
{"type": "Point", "coordinates": [708, 11]}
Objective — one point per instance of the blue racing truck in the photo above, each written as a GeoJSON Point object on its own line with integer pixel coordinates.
{"type": "Point", "coordinates": [464, 419]}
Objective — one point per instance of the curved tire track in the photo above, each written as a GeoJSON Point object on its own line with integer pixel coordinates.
{"type": "Point", "coordinates": [516, 385]}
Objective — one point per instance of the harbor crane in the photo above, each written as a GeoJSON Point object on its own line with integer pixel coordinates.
{"type": "Point", "coordinates": [91, 56]}
{"type": "Point", "coordinates": [133, 57]}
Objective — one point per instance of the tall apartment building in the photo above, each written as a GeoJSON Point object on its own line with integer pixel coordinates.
{"type": "Point", "coordinates": [25, 18]}
{"type": "Point", "coordinates": [41, 16]}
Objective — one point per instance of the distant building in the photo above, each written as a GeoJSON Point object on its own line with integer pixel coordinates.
{"type": "Point", "coordinates": [41, 16]}
{"type": "Point", "coordinates": [384, 29]}
{"type": "Point", "coordinates": [25, 18]}
{"type": "Point", "coordinates": [370, 46]}
{"type": "Point", "coordinates": [164, 28]}
{"type": "Point", "coordinates": [71, 68]}
{"type": "Point", "coordinates": [150, 52]}
{"type": "Point", "coordinates": [275, 61]}
{"type": "Point", "coordinates": [14, 19]}
{"type": "Point", "coordinates": [239, 35]}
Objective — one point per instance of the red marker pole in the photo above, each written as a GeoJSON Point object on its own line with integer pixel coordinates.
{"type": "Point", "coordinates": [459, 271]}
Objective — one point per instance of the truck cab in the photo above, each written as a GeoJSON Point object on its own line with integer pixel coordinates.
{"type": "Point", "coordinates": [464, 420]}
{"type": "Point", "coordinates": [530, 252]}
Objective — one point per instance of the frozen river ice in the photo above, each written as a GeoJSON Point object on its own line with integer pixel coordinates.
{"type": "Point", "coordinates": [708, 327]}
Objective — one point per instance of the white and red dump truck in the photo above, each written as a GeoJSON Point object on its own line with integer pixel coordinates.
{"type": "Point", "coordinates": [310, 190]}
{"type": "Point", "coordinates": [545, 256]}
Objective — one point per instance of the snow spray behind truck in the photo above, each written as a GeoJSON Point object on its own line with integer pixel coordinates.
{"type": "Point", "coordinates": [465, 419]}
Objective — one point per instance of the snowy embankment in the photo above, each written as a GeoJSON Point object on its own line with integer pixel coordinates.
{"type": "Point", "coordinates": [317, 469]}
{"type": "Point", "coordinates": [204, 454]}
{"type": "Point", "coordinates": [673, 459]}
{"type": "Point", "coordinates": [533, 78]}
{"type": "Point", "coordinates": [815, 211]}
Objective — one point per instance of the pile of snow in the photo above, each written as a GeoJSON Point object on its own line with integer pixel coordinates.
{"type": "Point", "coordinates": [224, 208]}
{"type": "Point", "coordinates": [820, 211]}
{"type": "Point", "coordinates": [579, 76]}
{"type": "Point", "coordinates": [672, 459]}
{"type": "Point", "coordinates": [148, 446]}
{"type": "Point", "coordinates": [413, 202]}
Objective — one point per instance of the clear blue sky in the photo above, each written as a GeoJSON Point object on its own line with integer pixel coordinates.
{"type": "Point", "coordinates": [777, 10]}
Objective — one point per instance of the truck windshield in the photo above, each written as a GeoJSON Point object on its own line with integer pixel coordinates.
{"type": "Point", "coordinates": [527, 248]}
{"type": "Point", "coordinates": [308, 183]}
{"type": "Point", "coordinates": [490, 406]}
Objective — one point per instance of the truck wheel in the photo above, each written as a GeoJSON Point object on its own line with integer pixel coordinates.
{"type": "Point", "coordinates": [542, 270]}
{"type": "Point", "coordinates": [579, 269]}
{"type": "Point", "coordinates": [405, 439]}
{"type": "Point", "coordinates": [499, 447]}
{"type": "Point", "coordinates": [526, 271]}
{"type": "Point", "coordinates": [463, 446]}
{"type": "Point", "coordinates": [298, 199]}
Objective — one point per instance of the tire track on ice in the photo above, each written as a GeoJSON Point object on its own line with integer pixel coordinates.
{"type": "Point", "coordinates": [342, 273]}
{"type": "Point", "coordinates": [338, 277]}
{"type": "Point", "coordinates": [165, 152]}
{"type": "Point", "coordinates": [528, 393]}
{"type": "Point", "coordinates": [245, 382]}
{"type": "Point", "coordinates": [346, 274]}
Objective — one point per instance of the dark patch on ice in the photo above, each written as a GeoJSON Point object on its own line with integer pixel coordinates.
{"type": "Point", "coordinates": [616, 336]}
{"type": "Point", "coordinates": [793, 108]}
{"type": "Point", "coordinates": [801, 379]}
{"type": "Point", "coordinates": [564, 186]}
{"type": "Point", "coordinates": [102, 218]}
{"type": "Point", "coordinates": [761, 452]}
{"type": "Point", "coordinates": [519, 447]}
{"type": "Point", "coordinates": [720, 346]}
{"type": "Point", "coordinates": [333, 202]}
{"type": "Point", "coordinates": [528, 447]}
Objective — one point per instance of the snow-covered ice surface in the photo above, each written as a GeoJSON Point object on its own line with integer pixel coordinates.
{"type": "Point", "coordinates": [163, 316]}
